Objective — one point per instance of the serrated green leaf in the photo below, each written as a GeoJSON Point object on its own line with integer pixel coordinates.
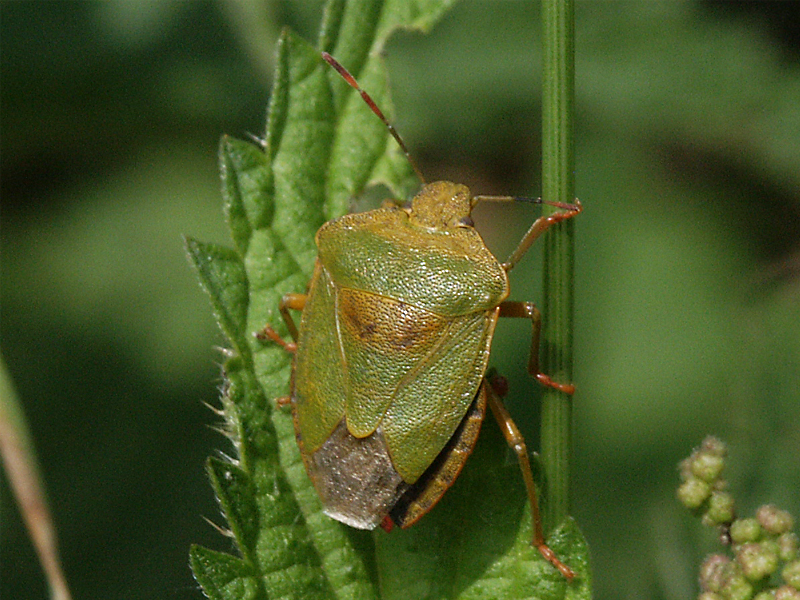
{"type": "Point", "coordinates": [223, 277]}
{"type": "Point", "coordinates": [236, 498]}
{"type": "Point", "coordinates": [246, 189]}
{"type": "Point", "coordinates": [300, 146]}
{"type": "Point", "coordinates": [224, 577]}
{"type": "Point", "coordinates": [257, 500]}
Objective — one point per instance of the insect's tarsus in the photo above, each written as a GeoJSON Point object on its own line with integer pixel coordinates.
{"type": "Point", "coordinates": [371, 103]}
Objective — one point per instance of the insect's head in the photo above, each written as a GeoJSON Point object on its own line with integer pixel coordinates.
{"type": "Point", "coordinates": [442, 205]}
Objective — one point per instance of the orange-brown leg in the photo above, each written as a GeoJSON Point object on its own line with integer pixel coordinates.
{"type": "Point", "coordinates": [288, 301]}
{"type": "Point", "coordinates": [517, 443]}
{"type": "Point", "coordinates": [528, 310]}
{"type": "Point", "coordinates": [293, 302]}
{"type": "Point", "coordinates": [539, 226]}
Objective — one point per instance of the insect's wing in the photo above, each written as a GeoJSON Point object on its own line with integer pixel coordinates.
{"type": "Point", "coordinates": [319, 389]}
{"type": "Point", "coordinates": [421, 497]}
{"type": "Point", "coordinates": [354, 477]}
{"type": "Point", "coordinates": [431, 403]}
{"type": "Point", "coordinates": [384, 342]}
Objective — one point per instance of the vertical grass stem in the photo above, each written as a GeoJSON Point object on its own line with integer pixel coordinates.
{"type": "Point", "coordinates": [558, 185]}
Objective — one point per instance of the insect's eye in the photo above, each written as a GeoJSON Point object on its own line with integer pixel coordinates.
{"type": "Point", "coordinates": [466, 222]}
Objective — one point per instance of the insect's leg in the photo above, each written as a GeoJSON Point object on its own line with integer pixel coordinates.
{"type": "Point", "coordinates": [539, 226]}
{"type": "Point", "coordinates": [528, 310]}
{"type": "Point", "coordinates": [294, 302]}
{"type": "Point", "coordinates": [517, 443]}
{"type": "Point", "coordinates": [288, 301]}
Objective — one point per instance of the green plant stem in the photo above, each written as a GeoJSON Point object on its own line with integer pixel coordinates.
{"type": "Point", "coordinates": [558, 185]}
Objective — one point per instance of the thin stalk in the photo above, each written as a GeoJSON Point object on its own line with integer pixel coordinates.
{"type": "Point", "coordinates": [558, 185]}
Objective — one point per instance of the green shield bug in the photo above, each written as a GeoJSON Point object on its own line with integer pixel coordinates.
{"type": "Point", "coordinates": [388, 387]}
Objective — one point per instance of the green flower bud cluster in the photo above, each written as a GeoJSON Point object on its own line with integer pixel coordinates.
{"type": "Point", "coordinates": [766, 563]}
{"type": "Point", "coordinates": [703, 488]}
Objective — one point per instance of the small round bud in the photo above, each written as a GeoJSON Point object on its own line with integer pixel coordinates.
{"type": "Point", "coordinates": [787, 592]}
{"type": "Point", "coordinates": [765, 595]}
{"type": "Point", "coordinates": [737, 587]}
{"type": "Point", "coordinates": [720, 508]}
{"type": "Point", "coordinates": [774, 520]}
{"type": "Point", "coordinates": [710, 596]}
{"type": "Point", "coordinates": [707, 467]}
{"type": "Point", "coordinates": [756, 561]}
{"type": "Point", "coordinates": [714, 572]}
{"type": "Point", "coordinates": [745, 530]}
{"type": "Point", "coordinates": [787, 544]}
{"type": "Point", "coordinates": [791, 574]}
{"type": "Point", "coordinates": [693, 492]}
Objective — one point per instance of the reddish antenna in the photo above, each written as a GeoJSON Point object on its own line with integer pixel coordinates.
{"type": "Point", "coordinates": [371, 103]}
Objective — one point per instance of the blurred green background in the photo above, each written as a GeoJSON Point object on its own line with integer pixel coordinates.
{"type": "Point", "coordinates": [688, 257]}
